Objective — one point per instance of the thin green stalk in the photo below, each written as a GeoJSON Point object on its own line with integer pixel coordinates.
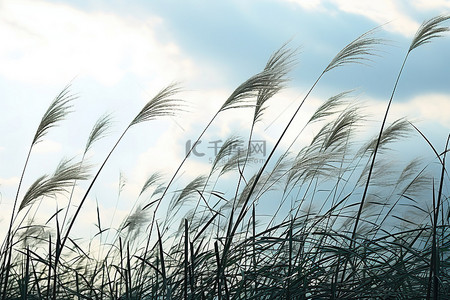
{"type": "Point", "coordinates": [352, 53]}
{"type": "Point", "coordinates": [186, 259]}
{"type": "Point", "coordinates": [374, 154]}
{"type": "Point", "coordinates": [426, 32]}
{"type": "Point", "coordinates": [56, 112]}
{"type": "Point", "coordinates": [160, 105]}
{"type": "Point", "coordinates": [434, 265]}
{"type": "Point", "coordinates": [260, 172]}
{"type": "Point", "coordinates": [74, 218]}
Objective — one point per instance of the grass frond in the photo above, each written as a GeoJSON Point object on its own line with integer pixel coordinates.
{"type": "Point", "coordinates": [192, 187]}
{"type": "Point", "coordinates": [229, 147]}
{"type": "Point", "coordinates": [329, 107]}
{"type": "Point", "coordinates": [313, 164]}
{"type": "Point", "coordinates": [250, 89]}
{"type": "Point", "coordinates": [397, 130]}
{"type": "Point", "coordinates": [163, 104]}
{"type": "Point", "coordinates": [152, 180]}
{"type": "Point", "coordinates": [245, 192]}
{"type": "Point", "coordinates": [263, 85]}
{"type": "Point", "coordinates": [280, 63]}
{"type": "Point", "coordinates": [31, 235]}
{"type": "Point", "coordinates": [189, 190]}
{"type": "Point", "coordinates": [134, 222]}
{"type": "Point", "coordinates": [381, 170]}
{"type": "Point", "coordinates": [62, 179]}
{"type": "Point", "coordinates": [56, 112]}
{"type": "Point", "coordinates": [411, 169]}
{"type": "Point", "coordinates": [358, 51]}
{"type": "Point", "coordinates": [342, 128]}
{"type": "Point", "coordinates": [429, 30]}
{"type": "Point", "coordinates": [416, 187]}
{"type": "Point", "coordinates": [98, 131]}
{"type": "Point", "coordinates": [235, 162]}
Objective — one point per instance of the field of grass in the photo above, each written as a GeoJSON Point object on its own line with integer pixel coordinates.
{"type": "Point", "coordinates": [346, 222]}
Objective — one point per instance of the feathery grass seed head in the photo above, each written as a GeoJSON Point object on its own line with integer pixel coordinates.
{"type": "Point", "coordinates": [357, 51]}
{"type": "Point", "coordinates": [163, 104]}
{"type": "Point", "coordinates": [429, 30]}
{"type": "Point", "coordinates": [56, 112]}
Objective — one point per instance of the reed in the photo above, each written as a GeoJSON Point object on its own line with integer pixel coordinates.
{"type": "Point", "coordinates": [345, 222]}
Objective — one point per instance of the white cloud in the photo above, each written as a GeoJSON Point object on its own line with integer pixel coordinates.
{"type": "Point", "coordinates": [308, 4]}
{"type": "Point", "coordinates": [430, 107]}
{"type": "Point", "coordinates": [441, 5]}
{"type": "Point", "coordinates": [390, 13]}
{"type": "Point", "coordinates": [12, 181]}
{"type": "Point", "coordinates": [381, 12]}
{"type": "Point", "coordinates": [47, 146]}
{"type": "Point", "coordinates": [425, 108]}
{"type": "Point", "coordinates": [52, 43]}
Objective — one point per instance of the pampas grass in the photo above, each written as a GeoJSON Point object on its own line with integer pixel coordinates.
{"type": "Point", "coordinates": [345, 221]}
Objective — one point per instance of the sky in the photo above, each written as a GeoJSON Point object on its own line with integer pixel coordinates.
{"type": "Point", "coordinates": [118, 54]}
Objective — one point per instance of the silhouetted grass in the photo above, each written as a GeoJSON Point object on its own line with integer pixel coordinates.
{"type": "Point", "coordinates": [347, 222]}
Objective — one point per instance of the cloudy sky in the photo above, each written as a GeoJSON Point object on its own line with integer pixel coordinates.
{"type": "Point", "coordinates": [118, 54]}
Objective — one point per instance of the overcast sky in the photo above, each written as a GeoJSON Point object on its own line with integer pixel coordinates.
{"type": "Point", "coordinates": [118, 54]}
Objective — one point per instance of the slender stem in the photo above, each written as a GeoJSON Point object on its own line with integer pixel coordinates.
{"type": "Point", "coordinates": [9, 237]}
{"type": "Point", "coordinates": [58, 253]}
{"type": "Point", "coordinates": [258, 176]}
{"type": "Point", "coordinates": [241, 175]}
{"type": "Point", "coordinates": [434, 265]}
{"type": "Point", "coordinates": [375, 151]}
{"type": "Point", "coordinates": [170, 182]}
{"type": "Point", "coordinates": [71, 193]}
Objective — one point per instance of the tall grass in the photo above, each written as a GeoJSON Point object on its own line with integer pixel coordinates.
{"type": "Point", "coordinates": [346, 222]}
